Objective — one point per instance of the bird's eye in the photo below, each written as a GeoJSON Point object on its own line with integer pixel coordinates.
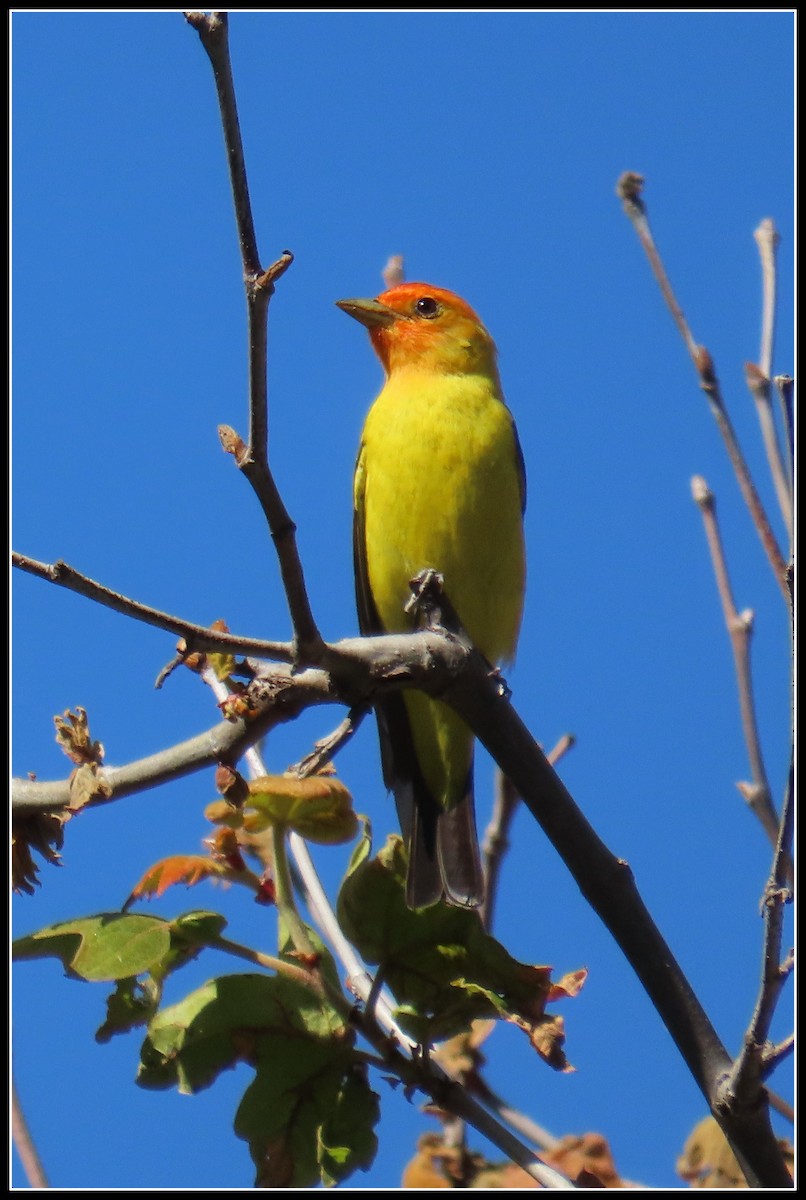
{"type": "Point", "coordinates": [427, 307]}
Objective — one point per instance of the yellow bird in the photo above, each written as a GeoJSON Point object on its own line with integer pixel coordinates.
{"type": "Point", "coordinates": [439, 483]}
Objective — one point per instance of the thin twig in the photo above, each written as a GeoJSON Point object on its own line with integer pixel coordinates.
{"type": "Point", "coordinates": [327, 748]}
{"type": "Point", "coordinates": [360, 980]}
{"type": "Point", "coordinates": [740, 627]}
{"type": "Point", "coordinates": [782, 1106]}
{"type": "Point", "coordinates": [496, 835]}
{"type": "Point", "coordinates": [785, 386]}
{"type": "Point", "coordinates": [629, 189]}
{"type": "Point", "coordinates": [741, 1084]}
{"type": "Point", "coordinates": [24, 1145]}
{"type": "Point", "coordinates": [773, 1056]}
{"type": "Point", "coordinates": [496, 843]}
{"type": "Point", "coordinates": [198, 637]}
{"type": "Point", "coordinates": [761, 391]}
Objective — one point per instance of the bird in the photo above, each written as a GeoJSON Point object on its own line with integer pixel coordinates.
{"type": "Point", "coordinates": [439, 485]}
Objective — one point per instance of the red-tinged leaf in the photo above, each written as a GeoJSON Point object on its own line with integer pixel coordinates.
{"type": "Point", "coordinates": [181, 868]}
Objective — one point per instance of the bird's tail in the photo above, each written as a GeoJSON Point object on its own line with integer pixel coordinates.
{"type": "Point", "coordinates": [444, 858]}
{"type": "Point", "coordinates": [444, 855]}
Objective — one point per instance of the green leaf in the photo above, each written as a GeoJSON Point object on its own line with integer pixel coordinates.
{"type": "Point", "coordinates": [104, 947]}
{"type": "Point", "coordinates": [442, 966]}
{"type": "Point", "coordinates": [222, 1023]}
{"type": "Point", "coordinates": [309, 1115]}
{"type": "Point", "coordinates": [347, 1140]}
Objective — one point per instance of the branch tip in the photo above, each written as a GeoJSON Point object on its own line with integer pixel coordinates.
{"type": "Point", "coordinates": [629, 187]}
{"type": "Point", "coordinates": [701, 493]}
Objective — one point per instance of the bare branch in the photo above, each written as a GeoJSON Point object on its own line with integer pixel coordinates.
{"type": "Point", "coordinates": [739, 627]}
{"type": "Point", "coordinates": [327, 748]}
{"type": "Point", "coordinates": [198, 637]}
{"type": "Point", "coordinates": [224, 742]}
{"type": "Point", "coordinates": [629, 188]}
{"type": "Point", "coordinates": [773, 1056]}
{"type": "Point", "coordinates": [253, 460]}
{"type": "Point", "coordinates": [496, 842]}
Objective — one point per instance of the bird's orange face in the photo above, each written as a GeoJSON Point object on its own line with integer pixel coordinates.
{"type": "Point", "coordinates": [415, 325]}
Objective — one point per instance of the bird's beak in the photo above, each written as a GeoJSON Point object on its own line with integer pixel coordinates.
{"type": "Point", "coordinates": [371, 313]}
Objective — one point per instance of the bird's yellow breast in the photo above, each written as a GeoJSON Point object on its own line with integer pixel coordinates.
{"type": "Point", "coordinates": [439, 485]}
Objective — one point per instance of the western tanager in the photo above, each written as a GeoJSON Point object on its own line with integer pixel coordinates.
{"type": "Point", "coordinates": [439, 483]}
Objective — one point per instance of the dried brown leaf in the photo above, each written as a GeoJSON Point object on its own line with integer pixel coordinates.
{"type": "Point", "coordinates": [73, 735]}
{"type": "Point", "coordinates": [587, 1159]}
{"type": "Point", "coordinates": [43, 833]}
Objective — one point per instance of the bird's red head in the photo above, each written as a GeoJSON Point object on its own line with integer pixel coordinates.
{"type": "Point", "coordinates": [415, 326]}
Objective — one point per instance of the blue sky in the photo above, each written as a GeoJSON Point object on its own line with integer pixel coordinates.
{"type": "Point", "coordinates": [485, 148]}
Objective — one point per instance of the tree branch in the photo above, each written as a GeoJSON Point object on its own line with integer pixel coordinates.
{"type": "Point", "coordinates": [740, 626]}
{"type": "Point", "coordinates": [608, 885]}
{"type": "Point", "coordinates": [224, 742]}
{"type": "Point", "coordinates": [197, 637]}
{"type": "Point", "coordinates": [252, 460]}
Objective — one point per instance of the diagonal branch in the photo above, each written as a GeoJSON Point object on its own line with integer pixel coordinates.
{"type": "Point", "coordinates": [24, 1143]}
{"type": "Point", "coordinates": [496, 835]}
{"type": "Point", "coordinates": [629, 189]}
{"type": "Point", "coordinates": [608, 885]}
